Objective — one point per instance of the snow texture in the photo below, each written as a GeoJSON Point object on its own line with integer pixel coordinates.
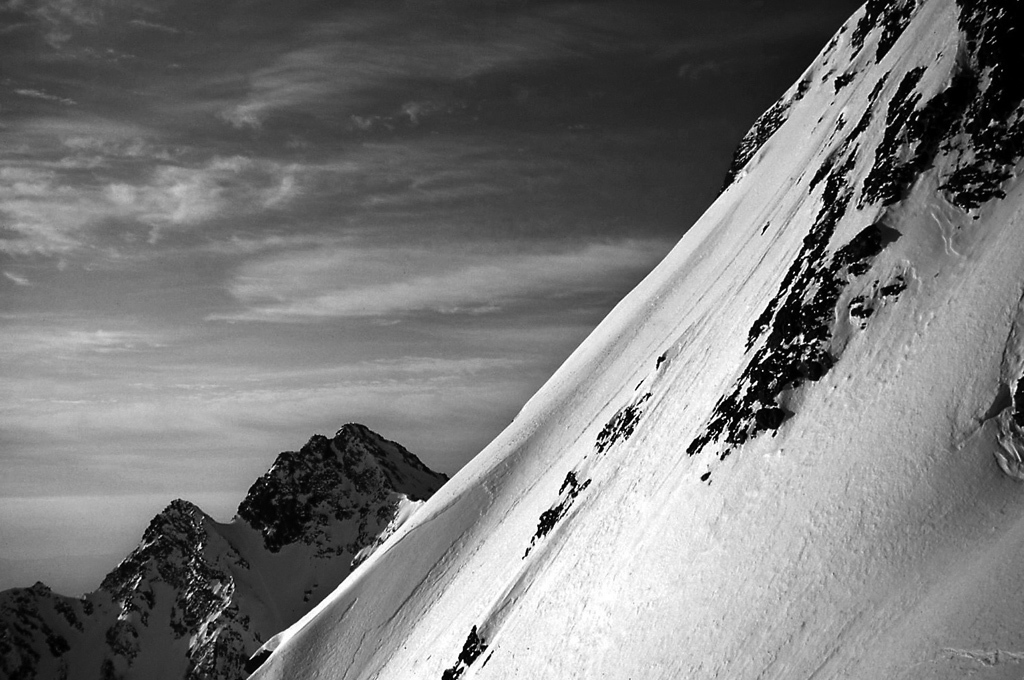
{"type": "Point", "coordinates": [794, 450]}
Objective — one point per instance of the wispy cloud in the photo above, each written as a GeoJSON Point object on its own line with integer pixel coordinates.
{"type": "Point", "coordinates": [350, 282]}
{"type": "Point", "coordinates": [61, 17]}
{"type": "Point", "coordinates": [39, 94]}
{"type": "Point", "coordinates": [697, 69]}
{"type": "Point", "coordinates": [59, 341]}
{"type": "Point", "coordinates": [347, 64]}
{"type": "Point", "coordinates": [152, 25]}
{"type": "Point", "coordinates": [236, 246]}
{"type": "Point", "coordinates": [52, 212]}
{"type": "Point", "coordinates": [19, 280]}
{"type": "Point", "coordinates": [177, 195]}
{"type": "Point", "coordinates": [43, 215]}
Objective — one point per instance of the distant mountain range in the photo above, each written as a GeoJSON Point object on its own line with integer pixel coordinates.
{"type": "Point", "coordinates": [197, 598]}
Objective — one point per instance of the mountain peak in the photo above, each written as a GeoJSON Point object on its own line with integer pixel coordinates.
{"type": "Point", "coordinates": [332, 480]}
{"type": "Point", "coordinates": [171, 562]}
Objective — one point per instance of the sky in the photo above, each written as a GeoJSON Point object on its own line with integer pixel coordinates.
{"type": "Point", "coordinates": [227, 226]}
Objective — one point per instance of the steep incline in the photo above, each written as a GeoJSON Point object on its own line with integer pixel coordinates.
{"type": "Point", "coordinates": [197, 598]}
{"type": "Point", "coordinates": [784, 454]}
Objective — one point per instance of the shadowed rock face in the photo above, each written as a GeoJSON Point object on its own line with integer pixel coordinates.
{"type": "Point", "coordinates": [190, 602]}
{"type": "Point", "coordinates": [337, 479]}
{"type": "Point", "coordinates": [764, 127]}
{"type": "Point", "coordinates": [889, 18]}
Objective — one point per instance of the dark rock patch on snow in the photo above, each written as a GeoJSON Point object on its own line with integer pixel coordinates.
{"type": "Point", "coordinates": [795, 328]}
{"type": "Point", "coordinates": [913, 137]}
{"type": "Point", "coordinates": [471, 651]}
{"type": "Point", "coordinates": [993, 124]}
{"type": "Point", "coordinates": [882, 183]}
{"type": "Point", "coordinates": [257, 660]}
{"type": "Point", "coordinates": [977, 119]}
{"type": "Point", "coordinates": [1018, 403]}
{"type": "Point", "coordinates": [843, 79]}
{"type": "Point", "coordinates": [894, 289]}
{"type": "Point", "coordinates": [622, 424]}
{"type": "Point", "coordinates": [890, 17]}
{"type": "Point", "coordinates": [570, 489]}
{"type": "Point", "coordinates": [337, 479]}
{"type": "Point", "coordinates": [764, 127]}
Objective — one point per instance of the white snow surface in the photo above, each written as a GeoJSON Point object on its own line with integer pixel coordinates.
{"type": "Point", "coordinates": [872, 535]}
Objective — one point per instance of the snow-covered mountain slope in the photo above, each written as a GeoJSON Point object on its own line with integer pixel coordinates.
{"type": "Point", "coordinates": [197, 598]}
{"type": "Point", "coordinates": [785, 453]}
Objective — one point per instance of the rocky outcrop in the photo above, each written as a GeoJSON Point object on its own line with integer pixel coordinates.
{"type": "Point", "coordinates": [352, 482]}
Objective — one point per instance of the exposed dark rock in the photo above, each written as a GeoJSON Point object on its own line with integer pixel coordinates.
{"type": "Point", "coordinates": [332, 478]}
{"type": "Point", "coordinates": [868, 243]}
{"type": "Point", "coordinates": [570, 489]}
{"type": "Point", "coordinates": [37, 627]}
{"type": "Point", "coordinates": [471, 651]}
{"type": "Point", "coordinates": [978, 118]}
{"type": "Point", "coordinates": [769, 418]}
{"type": "Point", "coordinates": [992, 32]}
{"type": "Point", "coordinates": [621, 425]}
{"type": "Point", "coordinates": [795, 328]}
{"type": "Point", "coordinates": [890, 17]}
{"type": "Point", "coordinates": [843, 79]}
{"type": "Point", "coordinates": [257, 660]}
{"type": "Point", "coordinates": [1018, 403]}
{"type": "Point", "coordinates": [884, 183]}
{"type": "Point", "coordinates": [913, 138]}
{"type": "Point", "coordinates": [893, 289]}
{"type": "Point", "coordinates": [859, 308]}
{"type": "Point", "coordinates": [764, 127]}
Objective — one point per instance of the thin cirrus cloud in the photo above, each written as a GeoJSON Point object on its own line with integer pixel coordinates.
{"type": "Point", "coordinates": [60, 18]}
{"type": "Point", "coordinates": [33, 342]}
{"type": "Point", "coordinates": [49, 211]}
{"type": "Point", "coordinates": [163, 28]}
{"type": "Point", "coordinates": [346, 65]}
{"type": "Point", "coordinates": [42, 214]}
{"type": "Point", "coordinates": [178, 195]}
{"type": "Point", "coordinates": [39, 94]}
{"type": "Point", "coordinates": [353, 282]}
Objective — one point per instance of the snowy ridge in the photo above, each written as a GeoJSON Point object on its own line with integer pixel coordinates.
{"type": "Point", "coordinates": [197, 598]}
{"type": "Point", "coordinates": [782, 455]}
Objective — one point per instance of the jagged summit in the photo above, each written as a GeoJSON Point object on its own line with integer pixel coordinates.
{"type": "Point", "coordinates": [793, 451]}
{"type": "Point", "coordinates": [171, 552]}
{"type": "Point", "coordinates": [405, 472]}
{"type": "Point", "coordinates": [333, 479]}
{"type": "Point", "coordinates": [197, 597]}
